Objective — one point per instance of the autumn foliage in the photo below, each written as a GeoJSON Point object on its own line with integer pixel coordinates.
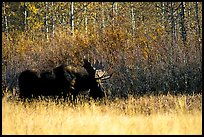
{"type": "Point", "coordinates": [149, 61]}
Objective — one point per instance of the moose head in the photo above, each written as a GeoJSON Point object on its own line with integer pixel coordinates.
{"type": "Point", "coordinates": [88, 80]}
{"type": "Point", "coordinates": [95, 85]}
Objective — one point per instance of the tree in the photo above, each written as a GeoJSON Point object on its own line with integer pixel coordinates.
{"type": "Point", "coordinates": [182, 22]}
{"type": "Point", "coordinates": [198, 23]}
{"type": "Point", "coordinates": [133, 19]}
{"type": "Point", "coordinates": [5, 20]}
{"type": "Point", "coordinates": [72, 17]}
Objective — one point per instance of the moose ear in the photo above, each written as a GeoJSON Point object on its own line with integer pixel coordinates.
{"type": "Point", "coordinates": [89, 68]}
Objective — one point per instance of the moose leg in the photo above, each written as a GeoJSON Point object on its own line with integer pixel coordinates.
{"type": "Point", "coordinates": [73, 96]}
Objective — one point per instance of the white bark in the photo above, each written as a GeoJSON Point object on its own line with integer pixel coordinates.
{"type": "Point", "coordinates": [133, 20]}
{"type": "Point", "coordinates": [5, 20]}
{"type": "Point", "coordinates": [85, 19]}
{"type": "Point", "coordinates": [25, 15]}
{"type": "Point", "coordinates": [53, 22]}
{"type": "Point", "coordinates": [72, 17]}
{"type": "Point", "coordinates": [102, 16]}
{"type": "Point", "coordinates": [114, 11]}
{"type": "Point", "coordinates": [46, 22]}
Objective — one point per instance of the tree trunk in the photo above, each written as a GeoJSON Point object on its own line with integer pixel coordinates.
{"type": "Point", "coordinates": [102, 16]}
{"type": "Point", "coordinates": [46, 22]}
{"type": "Point", "coordinates": [25, 16]}
{"type": "Point", "coordinates": [85, 18]}
{"type": "Point", "coordinates": [133, 19]}
{"type": "Point", "coordinates": [198, 23]}
{"type": "Point", "coordinates": [5, 20]}
{"type": "Point", "coordinates": [172, 24]}
{"type": "Point", "coordinates": [114, 12]}
{"type": "Point", "coordinates": [72, 17]}
{"type": "Point", "coordinates": [53, 21]}
{"type": "Point", "coordinates": [182, 22]}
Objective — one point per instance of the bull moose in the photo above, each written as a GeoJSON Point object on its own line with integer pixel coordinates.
{"type": "Point", "coordinates": [62, 81]}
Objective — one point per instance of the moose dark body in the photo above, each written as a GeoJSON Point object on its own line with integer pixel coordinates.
{"type": "Point", "coordinates": [31, 85]}
{"type": "Point", "coordinates": [61, 82]}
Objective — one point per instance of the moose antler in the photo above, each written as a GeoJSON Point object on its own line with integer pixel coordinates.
{"type": "Point", "coordinates": [93, 72]}
{"type": "Point", "coordinates": [103, 77]}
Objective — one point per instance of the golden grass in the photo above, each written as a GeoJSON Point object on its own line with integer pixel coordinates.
{"type": "Point", "coordinates": [145, 115]}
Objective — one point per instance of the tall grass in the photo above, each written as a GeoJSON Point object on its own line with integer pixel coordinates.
{"type": "Point", "coordinates": [144, 115]}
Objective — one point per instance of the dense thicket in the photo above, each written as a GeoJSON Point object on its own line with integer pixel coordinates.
{"type": "Point", "coordinates": [149, 47]}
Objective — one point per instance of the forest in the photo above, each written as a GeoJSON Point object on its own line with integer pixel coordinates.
{"type": "Point", "coordinates": [152, 52]}
{"type": "Point", "coordinates": [150, 47]}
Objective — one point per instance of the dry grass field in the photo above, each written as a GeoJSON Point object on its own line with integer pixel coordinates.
{"type": "Point", "coordinates": [143, 115]}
